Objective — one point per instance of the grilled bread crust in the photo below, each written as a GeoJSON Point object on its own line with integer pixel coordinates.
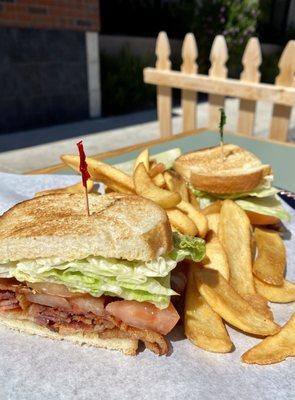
{"type": "Point", "coordinates": [120, 226]}
{"type": "Point", "coordinates": [237, 171]}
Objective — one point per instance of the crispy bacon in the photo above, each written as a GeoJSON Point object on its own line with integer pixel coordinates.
{"type": "Point", "coordinates": [6, 295]}
{"type": "Point", "coordinates": [153, 341]}
{"type": "Point", "coordinates": [69, 322]}
{"type": "Point", "coordinates": [85, 314]}
{"type": "Point", "coordinates": [106, 326]}
{"type": "Point", "coordinates": [8, 300]}
{"type": "Point", "coordinates": [10, 284]}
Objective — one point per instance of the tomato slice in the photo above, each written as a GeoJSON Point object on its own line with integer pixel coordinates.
{"type": "Point", "coordinates": [48, 300]}
{"type": "Point", "coordinates": [53, 289]}
{"type": "Point", "coordinates": [87, 303]}
{"type": "Point", "coordinates": [144, 315]}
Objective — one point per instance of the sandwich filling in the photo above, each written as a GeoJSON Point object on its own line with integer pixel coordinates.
{"type": "Point", "coordinates": [113, 297]}
{"type": "Point", "coordinates": [262, 200]}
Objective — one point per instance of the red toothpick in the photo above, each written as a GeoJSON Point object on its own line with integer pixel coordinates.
{"type": "Point", "coordinates": [84, 172]}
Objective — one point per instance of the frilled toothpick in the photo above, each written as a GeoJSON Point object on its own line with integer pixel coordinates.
{"type": "Point", "coordinates": [84, 172]}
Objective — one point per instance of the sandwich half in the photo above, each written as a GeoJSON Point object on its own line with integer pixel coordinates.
{"type": "Point", "coordinates": [238, 175]}
{"type": "Point", "coordinates": [102, 280]}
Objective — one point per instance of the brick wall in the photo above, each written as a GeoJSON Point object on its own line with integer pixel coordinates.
{"type": "Point", "coordinates": [77, 15]}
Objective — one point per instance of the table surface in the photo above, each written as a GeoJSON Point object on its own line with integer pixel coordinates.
{"type": "Point", "coordinates": [34, 368]}
{"type": "Point", "coordinates": [281, 156]}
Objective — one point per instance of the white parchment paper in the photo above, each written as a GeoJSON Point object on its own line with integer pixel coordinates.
{"type": "Point", "coordinates": [37, 368]}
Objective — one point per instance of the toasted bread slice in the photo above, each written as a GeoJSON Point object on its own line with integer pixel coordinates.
{"type": "Point", "coordinates": [120, 226]}
{"type": "Point", "coordinates": [14, 321]}
{"type": "Point", "coordinates": [206, 169]}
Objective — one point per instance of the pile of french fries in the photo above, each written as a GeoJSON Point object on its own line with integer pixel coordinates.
{"type": "Point", "coordinates": [77, 188]}
{"type": "Point", "coordinates": [234, 285]}
{"type": "Point", "coordinates": [153, 181]}
{"type": "Point", "coordinates": [243, 269]}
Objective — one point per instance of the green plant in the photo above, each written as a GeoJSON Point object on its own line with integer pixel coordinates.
{"type": "Point", "coordinates": [236, 20]}
{"type": "Point", "coordinates": [123, 89]}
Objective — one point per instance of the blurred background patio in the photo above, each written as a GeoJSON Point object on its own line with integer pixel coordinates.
{"type": "Point", "coordinates": [73, 68]}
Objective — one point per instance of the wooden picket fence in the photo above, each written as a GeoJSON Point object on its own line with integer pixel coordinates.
{"type": "Point", "coordinates": [248, 88]}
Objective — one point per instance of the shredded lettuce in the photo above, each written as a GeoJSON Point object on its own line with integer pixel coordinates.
{"type": "Point", "coordinates": [188, 247]}
{"type": "Point", "coordinates": [5, 270]}
{"type": "Point", "coordinates": [262, 200]}
{"type": "Point", "coordinates": [267, 206]}
{"type": "Point", "coordinates": [130, 280]}
{"type": "Point", "coordinates": [263, 190]}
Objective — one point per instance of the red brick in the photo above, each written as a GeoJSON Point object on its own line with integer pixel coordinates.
{"type": "Point", "coordinates": [24, 17]}
{"type": "Point", "coordinates": [8, 16]}
{"type": "Point", "coordinates": [52, 14]}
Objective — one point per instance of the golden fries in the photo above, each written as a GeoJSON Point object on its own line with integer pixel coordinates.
{"type": "Point", "coordinates": [149, 182]}
{"type": "Point", "coordinates": [157, 169]}
{"type": "Point", "coordinates": [175, 183]}
{"type": "Point", "coordinates": [275, 348]}
{"type": "Point", "coordinates": [159, 180]}
{"type": "Point", "coordinates": [235, 236]}
{"type": "Point", "coordinates": [115, 187]}
{"type": "Point", "coordinates": [213, 222]}
{"type": "Point", "coordinates": [260, 304]}
{"type": "Point", "coordinates": [216, 257]}
{"type": "Point", "coordinates": [276, 294]}
{"type": "Point", "coordinates": [213, 208]}
{"type": "Point", "coordinates": [182, 222]}
{"type": "Point", "coordinates": [253, 249]}
{"type": "Point", "coordinates": [226, 302]}
{"type": "Point", "coordinates": [77, 188]}
{"type": "Point", "coordinates": [101, 172]}
{"type": "Point", "coordinates": [269, 266]}
{"type": "Point", "coordinates": [169, 181]}
{"type": "Point", "coordinates": [196, 216]}
{"type": "Point", "coordinates": [145, 187]}
{"type": "Point", "coordinates": [202, 325]}
{"type": "Point", "coordinates": [143, 158]}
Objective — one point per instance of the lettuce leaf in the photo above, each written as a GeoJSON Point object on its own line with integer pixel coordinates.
{"type": "Point", "coordinates": [130, 280]}
{"type": "Point", "coordinates": [99, 266]}
{"type": "Point", "coordinates": [187, 247]}
{"type": "Point", "coordinates": [267, 206]}
{"type": "Point", "coordinates": [5, 270]}
{"type": "Point", "coordinates": [262, 200]}
{"type": "Point", "coordinates": [264, 190]}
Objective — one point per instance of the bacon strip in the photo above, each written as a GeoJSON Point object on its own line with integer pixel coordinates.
{"type": "Point", "coordinates": [12, 296]}
{"type": "Point", "coordinates": [153, 341]}
{"type": "Point", "coordinates": [6, 295]}
{"type": "Point", "coordinates": [10, 284]}
{"type": "Point", "coordinates": [106, 326]}
{"type": "Point", "coordinates": [8, 300]}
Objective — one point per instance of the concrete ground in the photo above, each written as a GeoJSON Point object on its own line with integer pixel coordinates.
{"type": "Point", "coordinates": [22, 151]}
